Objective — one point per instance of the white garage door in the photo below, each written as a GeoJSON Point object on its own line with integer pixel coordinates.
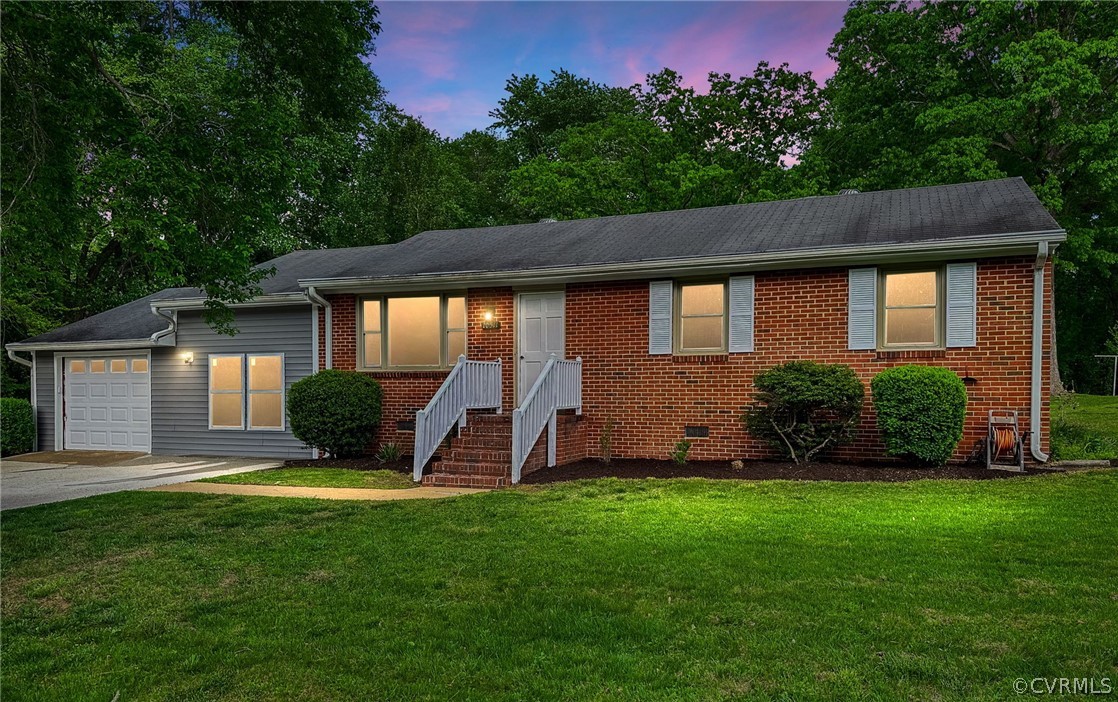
{"type": "Point", "coordinates": [106, 403]}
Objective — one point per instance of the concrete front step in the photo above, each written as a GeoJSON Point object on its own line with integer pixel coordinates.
{"type": "Point", "coordinates": [471, 468]}
{"type": "Point", "coordinates": [460, 480]}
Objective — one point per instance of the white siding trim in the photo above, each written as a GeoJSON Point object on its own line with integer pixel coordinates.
{"type": "Point", "coordinates": [861, 324]}
{"type": "Point", "coordinates": [660, 294]}
{"type": "Point", "coordinates": [741, 314]}
{"type": "Point", "coordinates": [962, 304]}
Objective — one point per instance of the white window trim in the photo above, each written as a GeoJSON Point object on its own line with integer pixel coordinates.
{"type": "Point", "coordinates": [210, 392]}
{"type": "Point", "coordinates": [678, 316]}
{"type": "Point", "coordinates": [940, 316]}
{"type": "Point", "coordinates": [249, 392]}
{"type": "Point", "coordinates": [444, 330]}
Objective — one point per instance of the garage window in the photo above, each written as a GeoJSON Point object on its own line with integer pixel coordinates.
{"type": "Point", "coordinates": [247, 390]}
{"type": "Point", "coordinates": [77, 367]}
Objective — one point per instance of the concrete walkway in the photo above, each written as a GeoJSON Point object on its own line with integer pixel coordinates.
{"type": "Point", "coordinates": [323, 493]}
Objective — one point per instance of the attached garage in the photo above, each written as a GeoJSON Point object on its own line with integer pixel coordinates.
{"type": "Point", "coordinates": [107, 402]}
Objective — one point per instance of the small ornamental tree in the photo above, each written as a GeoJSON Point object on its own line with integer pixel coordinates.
{"type": "Point", "coordinates": [17, 426]}
{"type": "Point", "coordinates": [804, 408]}
{"type": "Point", "coordinates": [920, 411]}
{"type": "Point", "coordinates": [335, 411]}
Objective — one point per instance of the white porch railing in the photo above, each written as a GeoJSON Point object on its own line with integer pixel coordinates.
{"type": "Point", "coordinates": [470, 385]}
{"type": "Point", "coordinates": [558, 387]}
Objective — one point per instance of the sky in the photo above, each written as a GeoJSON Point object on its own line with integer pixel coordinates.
{"type": "Point", "coordinates": [447, 62]}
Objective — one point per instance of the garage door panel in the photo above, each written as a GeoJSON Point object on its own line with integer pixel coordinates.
{"type": "Point", "coordinates": [107, 410]}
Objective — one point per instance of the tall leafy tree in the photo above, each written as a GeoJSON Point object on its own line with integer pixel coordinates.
{"type": "Point", "coordinates": [929, 93]}
{"type": "Point", "coordinates": [147, 144]}
{"type": "Point", "coordinates": [535, 111]}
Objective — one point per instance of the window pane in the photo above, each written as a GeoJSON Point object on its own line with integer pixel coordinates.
{"type": "Point", "coordinates": [910, 326]}
{"type": "Point", "coordinates": [225, 373]}
{"type": "Point", "coordinates": [265, 373]}
{"type": "Point", "coordinates": [226, 410]}
{"type": "Point", "coordinates": [96, 366]}
{"type": "Point", "coordinates": [372, 350]}
{"type": "Point", "coordinates": [905, 289]}
{"type": "Point", "coordinates": [265, 411]}
{"type": "Point", "coordinates": [118, 365]}
{"type": "Point", "coordinates": [701, 333]}
{"type": "Point", "coordinates": [413, 331]}
{"type": "Point", "coordinates": [370, 315]}
{"type": "Point", "coordinates": [456, 313]}
{"type": "Point", "coordinates": [140, 365]}
{"type": "Point", "coordinates": [77, 366]}
{"type": "Point", "coordinates": [455, 346]}
{"type": "Point", "coordinates": [702, 299]}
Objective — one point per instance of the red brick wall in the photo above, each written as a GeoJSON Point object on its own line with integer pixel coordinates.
{"type": "Point", "coordinates": [798, 314]}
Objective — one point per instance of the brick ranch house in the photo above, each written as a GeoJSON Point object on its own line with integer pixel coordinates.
{"type": "Point", "coordinates": [532, 338]}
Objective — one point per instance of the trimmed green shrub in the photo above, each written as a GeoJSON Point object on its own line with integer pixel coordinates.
{"type": "Point", "coordinates": [335, 411]}
{"type": "Point", "coordinates": [17, 426]}
{"type": "Point", "coordinates": [920, 411]}
{"type": "Point", "coordinates": [805, 408]}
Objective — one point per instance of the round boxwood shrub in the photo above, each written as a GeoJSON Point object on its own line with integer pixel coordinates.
{"type": "Point", "coordinates": [335, 411]}
{"type": "Point", "coordinates": [805, 408]}
{"type": "Point", "coordinates": [17, 426]}
{"type": "Point", "coordinates": [920, 411]}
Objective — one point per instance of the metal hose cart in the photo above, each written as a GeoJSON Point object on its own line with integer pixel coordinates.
{"type": "Point", "coordinates": [1005, 443]}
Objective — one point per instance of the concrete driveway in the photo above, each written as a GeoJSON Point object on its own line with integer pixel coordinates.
{"type": "Point", "coordinates": [53, 476]}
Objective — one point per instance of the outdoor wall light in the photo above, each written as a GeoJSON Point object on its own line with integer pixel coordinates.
{"type": "Point", "coordinates": [489, 319]}
{"type": "Point", "coordinates": [188, 357]}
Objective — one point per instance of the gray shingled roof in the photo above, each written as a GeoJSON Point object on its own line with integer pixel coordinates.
{"type": "Point", "coordinates": [913, 216]}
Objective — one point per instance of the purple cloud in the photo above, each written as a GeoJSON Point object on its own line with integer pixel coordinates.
{"type": "Point", "coordinates": [448, 61]}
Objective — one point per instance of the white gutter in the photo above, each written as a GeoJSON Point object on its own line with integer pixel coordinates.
{"type": "Point", "coordinates": [1038, 348]}
{"type": "Point", "coordinates": [316, 299]}
{"type": "Point", "coordinates": [1021, 243]}
{"type": "Point", "coordinates": [21, 361]}
{"type": "Point", "coordinates": [84, 345]}
{"type": "Point", "coordinates": [172, 319]}
{"type": "Point", "coordinates": [198, 303]}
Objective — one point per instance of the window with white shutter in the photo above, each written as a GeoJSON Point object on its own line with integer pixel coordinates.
{"type": "Point", "coordinates": [862, 309]}
{"type": "Point", "coordinates": [962, 302]}
{"type": "Point", "coordinates": [741, 314]}
{"type": "Point", "coordinates": [660, 317]}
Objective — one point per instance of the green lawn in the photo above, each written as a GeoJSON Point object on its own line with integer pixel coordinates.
{"type": "Point", "coordinates": [601, 590]}
{"type": "Point", "coordinates": [1085, 427]}
{"type": "Point", "coordinates": [319, 477]}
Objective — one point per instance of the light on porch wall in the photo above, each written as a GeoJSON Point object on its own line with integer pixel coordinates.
{"type": "Point", "coordinates": [188, 357]}
{"type": "Point", "coordinates": [489, 319]}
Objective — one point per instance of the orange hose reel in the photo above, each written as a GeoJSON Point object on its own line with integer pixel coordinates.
{"type": "Point", "coordinates": [1004, 444]}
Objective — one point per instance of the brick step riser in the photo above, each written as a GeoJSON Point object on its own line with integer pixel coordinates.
{"type": "Point", "coordinates": [485, 430]}
{"type": "Point", "coordinates": [483, 443]}
{"type": "Point", "coordinates": [468, 481]}
{"type": "Point", "coordinates": [461, 454]}
{"type": "Point", "coordinates": [460, 468]}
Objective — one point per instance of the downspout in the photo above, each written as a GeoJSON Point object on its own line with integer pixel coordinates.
{"type": "Point", "coordinates": [1038, 349]}
{"type": "Point", "coordinates": [173, 324]}
{"type": "Point", "coordinates": [322, 302]}
{"type": "Point", "coordinates": [21, 361]}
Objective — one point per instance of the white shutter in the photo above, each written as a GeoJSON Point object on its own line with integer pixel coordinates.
{"type": "Point", "coordinates": [660, 317]}
{"type": "Point", "coordinates": [962, 294]}
{"type": "Point", "coordinates": [741, 313]}
{"type": "Point", "coordinates": [861, 324]}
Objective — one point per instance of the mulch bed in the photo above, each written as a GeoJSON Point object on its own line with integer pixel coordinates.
{"type": "Point", "coordinates": [763, 470]}
{"type": "Point", "coordinates": [360, 463]}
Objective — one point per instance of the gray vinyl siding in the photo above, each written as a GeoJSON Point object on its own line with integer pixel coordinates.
{"type": "Point", "coordinates": [44, 399]}
{"type": "Point", "coordinates": [180, 392]}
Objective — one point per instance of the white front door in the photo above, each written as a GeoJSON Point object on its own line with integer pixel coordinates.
{"type": "Point", "coordinates": [107, 403]}
{"type": "Point", "coordinates": [540, 321]}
